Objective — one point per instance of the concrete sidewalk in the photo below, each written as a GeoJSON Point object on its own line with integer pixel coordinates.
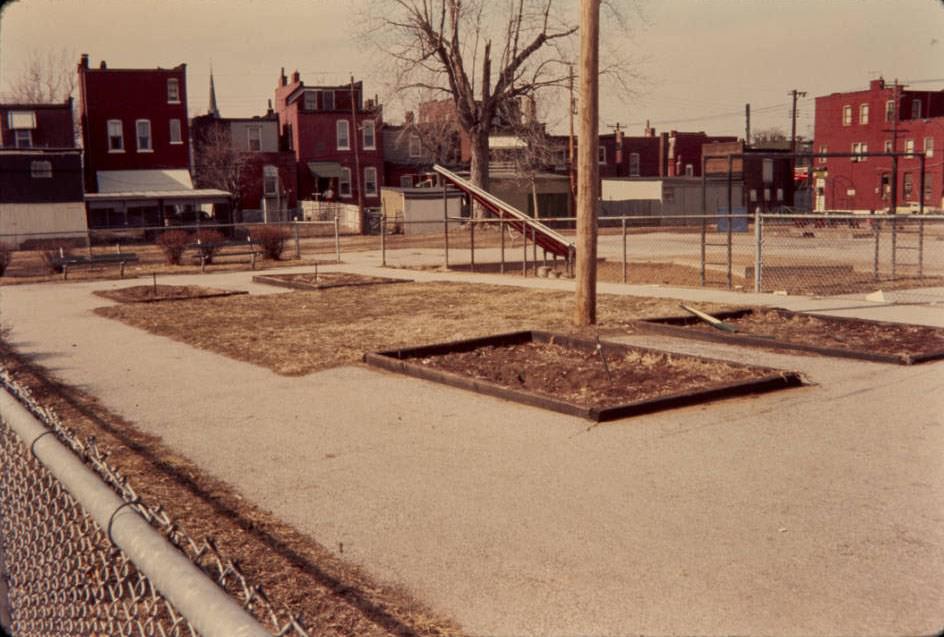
{"type": "Point", "coordinates": [817, 510]}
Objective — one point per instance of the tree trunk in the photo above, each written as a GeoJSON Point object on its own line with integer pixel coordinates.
{"type": "Point", "coordinates": [588, 167]}
{"type": "Point", "coordinates": [479, 161]}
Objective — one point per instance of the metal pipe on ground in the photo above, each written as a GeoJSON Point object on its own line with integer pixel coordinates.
{"type": "Point", "coordinates": [211, 611]}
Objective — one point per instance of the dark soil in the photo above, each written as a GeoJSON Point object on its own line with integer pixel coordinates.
{"type": "Point", "coordinates": [154, 293]}
{"type": "Point", "coordinates": [894, 339]}
{"type": "Point", "coordinates": [322, 280]}
{"type": "Point", "coordinates": [581, 377]}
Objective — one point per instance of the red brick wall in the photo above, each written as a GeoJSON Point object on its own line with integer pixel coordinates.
{"type": "Point", "coordinates": [130, 95]}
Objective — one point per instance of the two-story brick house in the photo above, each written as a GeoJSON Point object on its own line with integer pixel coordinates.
{"type": "Point", "coordinates": [40, 173]}
{"type": "Point", "coordinates": [135, 134]}
{"type": "Point", "coordinates": [332, 130]}
{"type": "Point", "coordinates": [884, 118]}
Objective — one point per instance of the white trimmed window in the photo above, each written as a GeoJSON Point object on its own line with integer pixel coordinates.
{"type": "Point", "coordinates": [142, 129]}
{"type": "Point", "coordinates": [847, 115]}
{"type": "Point", "coordinates": [254, 141]}
{"type": "Point", "coordinates": [863, 113]}
{"type": "Point", "coordinates": [173, 91]}
{"type": "Point", "coordinates": [890, 110]}
{"type": "Point", "coordinates": [602, 155]}
{"type": "Point", "coordinates": [270, 181]}
{"type": "Point", "coordinates": [370, 182]}
{"type": "Point", "coordinates": [634, 164]}
{"type": "Point", "coordinates": [888, 145]}
{"type": "Point", "coordinates": [41, 169]}
{"type": "Point", "coordinates": [311, 101]}
{"type": "Point", "coordinates": [22, 138]}
{"type": "Point", "coordinates": [929, 147]}
{"type": "Point", "coordinates": [909, 147]}
{"type": "Point", "coordinates": [344, 183]}
{"type": "Point", "coordinates": [370, 140]}
{"type": "Point", "coordinates": [175, 137]}
{"type": "Point", "coordinates": [116, 136]}
{"type": "Point", "coordinates": [858, 149]}
{"type": "Point", "coordinates": [416, 149]}
{"type": "Point", "coordinates": [916, 109]}
{"type": "Point", "coordinates": [21, 119]}
{"type": "Point", "coordinates": [344, 135]}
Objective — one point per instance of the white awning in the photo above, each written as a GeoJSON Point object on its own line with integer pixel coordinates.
{"type": "Point", "coordinates": [143, 180]}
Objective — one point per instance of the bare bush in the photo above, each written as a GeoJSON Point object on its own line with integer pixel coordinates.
{"type": "Point", "coordinates": [173, 243]}
{"type": "Point", "coordinates": [208, 243]}
{"type": "Point", "coordinates": [5, 255]}
{"type": "Point", "coordinates": [271, 239]}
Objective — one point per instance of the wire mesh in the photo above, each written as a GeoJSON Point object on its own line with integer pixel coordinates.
{"type": "Point", "coordinates": [64, 575]}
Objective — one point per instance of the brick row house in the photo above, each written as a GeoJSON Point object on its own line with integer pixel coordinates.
{"type": "Point", "coordinates": [883, 118]}
{"type": "Point", "coordinates": [41, 188]}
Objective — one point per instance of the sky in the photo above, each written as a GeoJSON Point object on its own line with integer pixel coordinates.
{"type": "Point", "coordinates": [695, 63]}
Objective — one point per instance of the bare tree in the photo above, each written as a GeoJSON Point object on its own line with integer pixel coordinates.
{"type": "Point", "coordinates": [450, 47]}
{"type": "Point", "coordinates": [45, 77]}
{"type": "Point", "coordinates": [767, 135]}
{"type": "Point", "coordinates": [217, 162]}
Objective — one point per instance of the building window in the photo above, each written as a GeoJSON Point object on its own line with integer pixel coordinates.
{"type": "Point", "coordinates": [822, 151]}
{"type": "Point", "coordinates": [344, 134]}
{"type": "Point", "coordinates": [890, 110]}
{"type": "Point", "coordinates": [370, 181]}
{"type": "Point", "coordinates": [602, 157]}
{"type": "Point", "coordinates": [753, 195]}
{"type": "Point", "coordinates": [327, 100]}
{"type": "Point", "coordinates": [270, 181]}
{"type": "Point", "coordinates": [22, 138]}
{"type": "Point", "coordinates": [311, 101]}
{"type": "Point", "coordinates": [766, 194]}
{"type": "Point", "coordinates": [369, 139]}
{"type": "Point", "coordinates": [406, 181]}
{"type": "Point", "coordinates": [689, 170]}
{"type": "Point", "coordinates": [909, 147]}
{"type": "Point", "coordinates": [175, 137]}
{"type": "Point", "coordinates": [344, 182]}
{"type": "Point", "coordinates": [908, 188]}
{"type": "Point", "coordinates": [634, 164]}
{"type": "Point", "coordinates": [858, 150]}
{"type": "Point", "coordinates": [915, 109]}
{"type": "Point", "coordinates": [928, 190]}
{"type": "Point", "coordinates": [416, 149]}
{"type": "Point", "coordinates": [863, 113]}
{"type": "Point", "coordinates": [254, 134]}
{"type": "Point", "coordinates": [888, 146]}
{"type": "Point", "coordinates": [143, 132]}
{"type": "Point", "coordinates": [779, 194]}
{"type": "Point", "coordinates": [173, 91]}
{"type": "Point", "coordinates": [929, 147]}
{"type": "Point", "coordinates": [40, 169]}
{"type": "Point", "coordinates": [21, 119]}
{"type": "Point", "coordinates": [767, 171]}
{"type": "Point", "coordinates": [847, 115]}
{"type": "Point", "coordinates": [116, 136]}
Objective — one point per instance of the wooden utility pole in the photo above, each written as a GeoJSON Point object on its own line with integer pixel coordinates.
{"type": "Point", "coordinates": [747, 124]}
{"type": "Point", "coordinates": [793, 125]}
{"type": "Point", "coordinates": [572, 107]}
{"type": "Point", "coordinates": [357, 159]}
{"type": "Point", "coordinates": [588, 167]}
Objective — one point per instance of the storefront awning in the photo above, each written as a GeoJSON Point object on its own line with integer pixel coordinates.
{"type": "Point", "coordinates": [325, 169]}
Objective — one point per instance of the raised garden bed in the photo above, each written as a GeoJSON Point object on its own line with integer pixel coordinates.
{"type": "Point", "coordinates": [156, 293]}
{"type": "Point", "coordinates": [777, 328]}
{"type": "Point", "coordinates": [571, 376]}
{"type": "Point", "coordinates": [323, 280]}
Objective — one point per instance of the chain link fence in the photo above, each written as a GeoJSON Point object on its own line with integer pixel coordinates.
{"type": "Point", "coordinates": [63, 572]}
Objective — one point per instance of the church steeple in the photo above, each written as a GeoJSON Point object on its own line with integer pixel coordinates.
{"type": "Point", "coordinates": [213, 110]}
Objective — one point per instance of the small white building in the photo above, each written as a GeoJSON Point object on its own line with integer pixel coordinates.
{"type": "Point", "coordinates": [419, 210]}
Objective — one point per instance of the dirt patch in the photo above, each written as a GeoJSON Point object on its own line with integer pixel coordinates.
{"type": "Point", "coordinates": [872, 340]}
{"type": "Point", "coordinates": [302, 332]}
{"type": "Point", "coordinates": [322, 281]}
{"type": "Point", "coordinates": [333, 598]}
{"type": "Point", "coordinates": [580, 376]}
{"type": "Point", "coordinates": [155, 293]}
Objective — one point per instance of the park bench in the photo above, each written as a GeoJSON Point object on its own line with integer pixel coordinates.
{"type": "Point", "coordinates": [65, 261]}
{"type": "Point", "coordinates": [224, 249]}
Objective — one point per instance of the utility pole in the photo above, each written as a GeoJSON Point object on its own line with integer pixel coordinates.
{"type": "Point", "coordinates": [793, 126]}
{"type": "Point", "coordinates": [617, 146]}
{"type": "Point", "coordinates": [570, 147]}
{"type": "Point", "coordinates": [893, 194]}
{"type": "Point", "coordinates": [357, 160]}
{"type": "Point", "coordinates": [589, 167]}
{"type": "Point", "coordinates": [747, 124]}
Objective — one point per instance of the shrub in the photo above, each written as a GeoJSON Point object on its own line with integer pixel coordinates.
{"type": "Point", "coordinates": [271, 239]}
{"type": "Point", "coordinates": [5, 254]}
{"type": "Point", "coordinates": [172, 244]}
{"type": "Point", "coordinates": [210, 242]}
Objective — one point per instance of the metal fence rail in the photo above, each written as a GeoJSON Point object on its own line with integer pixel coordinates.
{"type": "Point", "coordinates": [84, 555]}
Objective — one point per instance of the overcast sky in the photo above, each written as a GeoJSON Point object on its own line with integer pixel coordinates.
{"type": "Point", "coordinates": [699, 61]}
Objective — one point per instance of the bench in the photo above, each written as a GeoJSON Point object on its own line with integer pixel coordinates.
{"type": "Point", "coordinates": [65, 261]}
{"type": "Point", "coordinates": [224, 249]}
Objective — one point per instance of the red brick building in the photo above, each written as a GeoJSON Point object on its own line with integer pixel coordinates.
{"type": "Point", "coordinates": [37, 125]}
{"type": "Point", "coordinates": [318, 124]}
{"type": "Point", "coordinates": [885, 117]}
{"type": "Point", "coordinates": [767, 179]}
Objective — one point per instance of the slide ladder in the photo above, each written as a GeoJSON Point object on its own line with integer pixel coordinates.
{"type": "Point", "coordinates": [549, 240]}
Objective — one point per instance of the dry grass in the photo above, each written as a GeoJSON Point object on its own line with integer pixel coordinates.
{"type": "Point", "coordinates": [301, 332]}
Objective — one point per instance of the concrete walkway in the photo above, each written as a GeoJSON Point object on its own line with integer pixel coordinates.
{"type": "Point", "coordinates": [817, 510]}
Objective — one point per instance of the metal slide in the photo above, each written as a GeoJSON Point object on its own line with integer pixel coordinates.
{"type": "Point", "coordinates": [546, 238]}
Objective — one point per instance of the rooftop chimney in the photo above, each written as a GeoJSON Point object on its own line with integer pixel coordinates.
{"type": "Point", "coordinates": [83, 62]}
{"type": "Point", "coordinates": [103, 65]}
{"type": "Point", "coordinates": [296, 77]}
{"type": "Point", "coordinates": [282, 79]}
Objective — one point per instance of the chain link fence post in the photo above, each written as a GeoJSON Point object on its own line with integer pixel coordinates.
{"type": "Point", "coordinates": [298, 243]}
{"type": "Point", "coordinates": [337, 238]}
{"type": "Point", "coordinates": [877, 231]}
{"type": "Point", "coordinates": [625, 279]}
{"type": "Point", "coordinates": [758, 247]}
